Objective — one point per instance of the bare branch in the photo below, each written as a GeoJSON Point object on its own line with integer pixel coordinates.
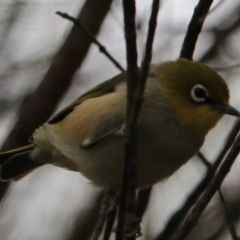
{"type": "Point", "coordinates": [205, 162]}
{"type": "Point", "coordinates": [227, 68]}
{"type": "Point", "coordinates": [194, 28]}
{"type": "Point", "coordinates": [229, 221]}
{"type": "Point", "coordinates": [102, 49]}
{"type": "Point", "coordinates": [129, 173]}
{"type": "Point", "coordinates": [209, 192]}
{"type": "Point", "coordinates": [216, 7]}
{"type": "Point", "coordinates": [136, 87]}
{"type": "Point", "coordinates": [230, 224]}
{"type": "Point", "coordinates": [228, 143]}
{"type": "Point", "coordinates": [179, 216]}
{"type": "Point", "coordinates": [101, 216]}
{"type": "Point", "coordinates": [148, 50]}
{"type": "Point", "coordinates": [221, 35]}
{"type": "Point", "coordinates": [111, 215]}
{"type": "Point", "coordinates": [37, 107]}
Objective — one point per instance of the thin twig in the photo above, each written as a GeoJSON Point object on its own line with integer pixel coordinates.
{"type": "Point", "coordinates": [102, 49]}
{"type": "Point", "coordinates": [216, 7]}
{"type": "Point", "coordinates": [230, 224]}
{"type": "Point", "coordinates": [72, 52]}
{"type": "Point", "coordinates": [213, 186]}
{"type": "Point", "coordinates": [135, 99]}
{"type": "Point", "coordinates": [205, 162]}
{"type": "Point", "coordinates": [194, 28]}
{"type": "Point", "coordinates": [229, 221]}
{"type": "Point", "coordinates": [178, 216]}
{"type": "Point", "coordinates": [111, 215]}
{"type": "Point", "coordinates": [148, 49]}
{"type": "Point", "coordinates": [221, 35]}
{"type": "Point", "coordinates": [228, 143]}
{"type": "Point", "coordinates": [227, 68]}
{"type": "Point", "coordinates": [129, 12]}
{"type": "Point", "coordinates": [101, 217]}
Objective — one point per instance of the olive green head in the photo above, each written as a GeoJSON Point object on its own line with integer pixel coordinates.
{"type": "Point", "coordinates": [197, 92]}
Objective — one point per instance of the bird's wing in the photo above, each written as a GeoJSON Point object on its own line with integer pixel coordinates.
{"type": "Point", "coordinates": [100, 90]}
{"type": "Point", "coordinates": [17, 161]}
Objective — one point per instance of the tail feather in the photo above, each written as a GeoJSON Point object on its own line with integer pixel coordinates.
{"type": "Point", "coordinates": [5, 155]}
{"type": "Point", "coordinates": [16, 162]}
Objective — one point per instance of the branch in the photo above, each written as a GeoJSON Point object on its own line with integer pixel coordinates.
{"type": "Point", "coordinates": [129, 172]}
{"type": "Point", "coordinates": [216, 7]}
{"type": "Point", "coordinates": [220, 36]}
{"type": "Point", "coordinates": [111, 215]}
{"type": "Point", "coordinates": [228, 143]}
{"type": "Point", "coordinates": [135, 98]}
{"type": "Point", "coordinates": [229, 221]}
{"type": "Point", "coordinates": [227, 68]}
{"type": "Point", "coordinates": [194, 28]}
{"type": "Point", "coordinates": [148, 50]}
{"type": "Point", "coordinates": [102, 49]}
{"type": "Point", "coordinates": [209, 192]}
{"type": "Point", "coordinates": [178, 217]}
{"type": "Point", "coordinates": [38, 107]}
{"type": "Point", "coordinates": [105, 203]}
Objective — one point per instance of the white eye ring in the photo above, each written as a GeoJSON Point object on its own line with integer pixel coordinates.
{"type": "Point", "coordinates": [199, 93]}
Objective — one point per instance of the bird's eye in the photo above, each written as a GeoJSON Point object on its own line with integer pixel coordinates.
{"type": "Point", "coordinates": [199, 93]}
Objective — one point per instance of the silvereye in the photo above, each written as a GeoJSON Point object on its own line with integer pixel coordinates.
{"type": "Point", "coordinates": [183, 101]}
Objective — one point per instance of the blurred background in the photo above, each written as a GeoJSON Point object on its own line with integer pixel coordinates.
{"type": "Point", "coordinates": [46, 63]}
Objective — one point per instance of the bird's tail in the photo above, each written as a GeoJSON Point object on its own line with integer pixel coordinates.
{"type": "Point", "coordinates": [16, 162]}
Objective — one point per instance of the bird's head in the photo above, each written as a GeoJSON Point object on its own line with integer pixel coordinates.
{"type": "Point", "coordinates": [197, 92]}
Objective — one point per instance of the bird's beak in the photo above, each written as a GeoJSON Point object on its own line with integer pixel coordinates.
{"type": "Point", "coordinates": [226, 109]}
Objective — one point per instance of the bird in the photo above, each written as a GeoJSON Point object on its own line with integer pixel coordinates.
{"type": "Point", "coordinates": [183, 101]}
